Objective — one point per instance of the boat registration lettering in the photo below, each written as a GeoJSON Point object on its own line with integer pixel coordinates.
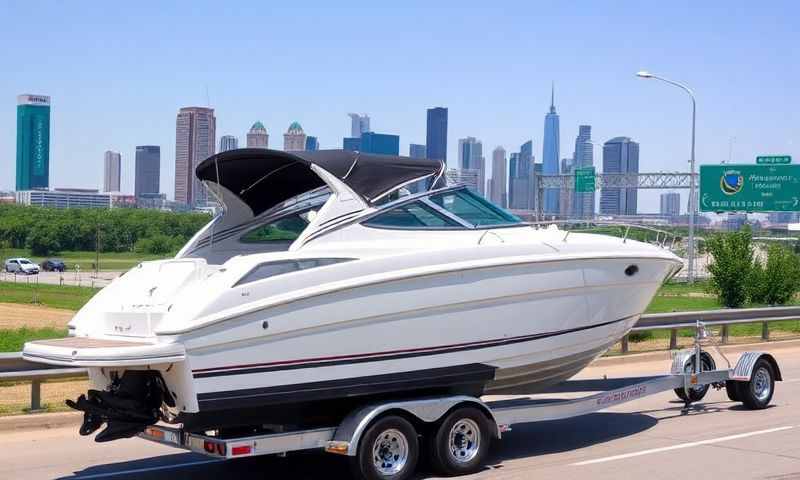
{"type": "Point", "coordinates": [622, 396]}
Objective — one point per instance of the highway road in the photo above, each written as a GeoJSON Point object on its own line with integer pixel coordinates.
{"type": "Point", "coordinates": [650, 438]}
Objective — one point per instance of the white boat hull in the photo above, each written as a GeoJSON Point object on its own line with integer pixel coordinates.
{"type": "Point", "coordinates": [555, 319]}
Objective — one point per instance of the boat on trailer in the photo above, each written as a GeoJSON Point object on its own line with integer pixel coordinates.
{"type": "Point", "coordinates": [334, 280]}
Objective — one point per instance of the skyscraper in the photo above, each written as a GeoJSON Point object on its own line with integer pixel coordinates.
{"type": "Point", "coordinates": [520, 181]}
{"type": "Point", "coordinates": [670, 204]}
{"type": "Point", "coordinates": [112, 165]}
{"type": "Point", "coordinates": [525, 159]}
{"type": "Point", "coordinates": [498, 192]}
{"type": "Point", "coordinates": [257, 136]}
{"type": "Point", "coordinates": [148, 170]}
{"type": "Point", "coordinates": [195, 140]}
{"type": "Point", "coordinates": [416, 150]}
{"type": "Point", "coordinates": [294, 140]}
{"type": "Point", "coordinates": [470, 157]}
{"type": "Point", "coordinates": [358, 124]}
{"type": "Point", "coordinates": [550, 155]}
{"type": "Point", "coordinates": [312, 144]}
{"type": "Point", "coordinates": [228, 142]}
{"type": "Point", "coordinates": [583, 202]}
{"type": "Point", "coordinates": [620, 155]}
{"type": "Point", "coordinates": [33, 141]}
{"type": "Point", "coordinates": [381, 143]}
{"type": "Point", "coordinates": [436, 134]}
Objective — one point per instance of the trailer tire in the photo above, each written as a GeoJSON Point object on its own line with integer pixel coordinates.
{"type": "Point", "coordinates": [756, 393]}
{"type": "Point", "coordinates": [732, 389]}
{"type": "Point", "coordinates": [461, 442]}
{"type": "Point", "coordinates": [697, 393]}
{"type": "Point", "coordinates": [388, 450]}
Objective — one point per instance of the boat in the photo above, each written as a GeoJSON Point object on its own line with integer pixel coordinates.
{"type": "Point", "coordinates": [336, 278]}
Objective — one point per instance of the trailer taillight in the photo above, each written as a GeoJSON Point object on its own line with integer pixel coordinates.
{"type": "Point", "coordinates": [241, 450]}
{"type": "Point", "coordinates": [214, 448]}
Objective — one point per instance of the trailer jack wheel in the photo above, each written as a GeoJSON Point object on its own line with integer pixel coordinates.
{"type": "Point", "coordinates": [756, 393]}
{"type": "Point", "coordinates": [696, 393]}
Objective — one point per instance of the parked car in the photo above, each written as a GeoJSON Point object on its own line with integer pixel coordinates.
{"type": "Point", "coordinates": [21, 265]}
{"type": "Point", "coordinates": [53, 265]}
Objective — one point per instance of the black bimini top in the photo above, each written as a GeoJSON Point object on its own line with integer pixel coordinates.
{"type": "Point", "coordinates": [263, 178]}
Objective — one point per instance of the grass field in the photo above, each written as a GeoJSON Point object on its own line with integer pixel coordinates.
{"type": "Point", "coordinates": [116, 261]}
{"type": "Point", "coordinates": [16, 396]}
{"type": "Point", "coordinates": [13, 340]}
{"type": "Point", "coordinates": [56, 296]}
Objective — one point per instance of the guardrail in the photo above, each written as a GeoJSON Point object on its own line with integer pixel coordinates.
{"type": "Point", "coordinates": [14, 368]}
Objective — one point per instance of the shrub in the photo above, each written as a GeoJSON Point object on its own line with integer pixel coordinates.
{"type": "Point", "coordinates": [731, 265]}
{"type": "Point", "coordinates": [779, 280]}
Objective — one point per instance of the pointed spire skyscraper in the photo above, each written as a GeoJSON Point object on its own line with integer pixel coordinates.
{"type": "Point", "coordinates": [550, 154]}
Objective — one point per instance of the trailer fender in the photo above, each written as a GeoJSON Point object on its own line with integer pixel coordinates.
{"type": "Point", "coordinates": [349, 432]}
{"type": "Point", "coordinates": [744, 367]}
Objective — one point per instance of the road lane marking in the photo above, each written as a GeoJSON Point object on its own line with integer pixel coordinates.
{"type": "Point", "coordinates": [148, 469]}
{"type": "Point", "coordinates": [681, 446]}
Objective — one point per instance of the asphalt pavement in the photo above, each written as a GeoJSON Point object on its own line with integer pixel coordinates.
{"type": "Point", "coordinates": [650, 438]}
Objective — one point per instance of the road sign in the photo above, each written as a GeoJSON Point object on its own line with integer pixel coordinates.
{"type": "Point", "coordinates": [584, 179]}
{"type": "Point", "coordinates": [774, 159]}
{"type": "Point", "coordinates": [750, 188]}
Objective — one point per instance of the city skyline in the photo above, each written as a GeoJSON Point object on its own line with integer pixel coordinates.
{"type": "Point", "coordinates": [438, 65]}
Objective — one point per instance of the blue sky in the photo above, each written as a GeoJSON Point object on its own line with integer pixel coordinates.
{"type": "Point", "coordinates": [118, 74]}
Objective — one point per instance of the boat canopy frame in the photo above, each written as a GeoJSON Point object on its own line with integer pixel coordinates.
{"type": "Point", "coordinates": [263, 178]}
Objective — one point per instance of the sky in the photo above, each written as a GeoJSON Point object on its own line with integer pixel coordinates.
{"type": "Point", "coordinates": [118, 73]}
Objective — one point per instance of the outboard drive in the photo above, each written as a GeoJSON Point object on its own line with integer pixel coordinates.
{"type": "Point", "coordinates": [132, 403]}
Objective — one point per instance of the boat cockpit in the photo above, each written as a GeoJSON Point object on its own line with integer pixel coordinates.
{"type": "Point", "coordinates": [275, 201]}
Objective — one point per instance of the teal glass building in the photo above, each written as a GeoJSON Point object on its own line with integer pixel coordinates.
{"type": "Point", "coordinates": [33, 142]}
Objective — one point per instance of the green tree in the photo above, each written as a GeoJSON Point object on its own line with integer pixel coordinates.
{"type": "Point", "coordinates": [731, 266]}
{"type": "Point", "coordinates": [42, 241]}
{"type": "Point", "coordinates": [776, 282]}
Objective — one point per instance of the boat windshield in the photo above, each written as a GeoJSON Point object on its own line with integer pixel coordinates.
{"type": "Point", "coordinates": [473, 208]}
{"type": "Point", "coordinates": [452, 209]}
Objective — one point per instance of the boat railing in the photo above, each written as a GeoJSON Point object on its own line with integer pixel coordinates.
{"type": "Point", "coordinates": [663, 238]}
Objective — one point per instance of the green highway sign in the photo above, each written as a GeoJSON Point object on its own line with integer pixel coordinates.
{"type": "Point", "coordinates": [584, 179]}
{"type": "Point", "coordinates": [774, 159]}
{"type": "Point", "coordinates": [750, 188]}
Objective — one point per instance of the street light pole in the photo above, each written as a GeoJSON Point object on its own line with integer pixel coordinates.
{"type": "Point", "coordinates": [692, 179]}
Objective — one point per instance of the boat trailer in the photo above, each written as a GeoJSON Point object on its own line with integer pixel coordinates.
{"type": "Point", "coordinates": [382, 439]}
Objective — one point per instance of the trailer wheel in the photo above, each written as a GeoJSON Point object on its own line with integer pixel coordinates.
{"type": "Point", "coordinates": [756, 393]}
{"type": "Point", "coordinates": [697, 392]}
{"type": "Point", "coordinates": [732, 389]}
{"type": "Point", "coordinates": [461, 442]}
{"type": "Point", "coordinates": [388, 450]}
